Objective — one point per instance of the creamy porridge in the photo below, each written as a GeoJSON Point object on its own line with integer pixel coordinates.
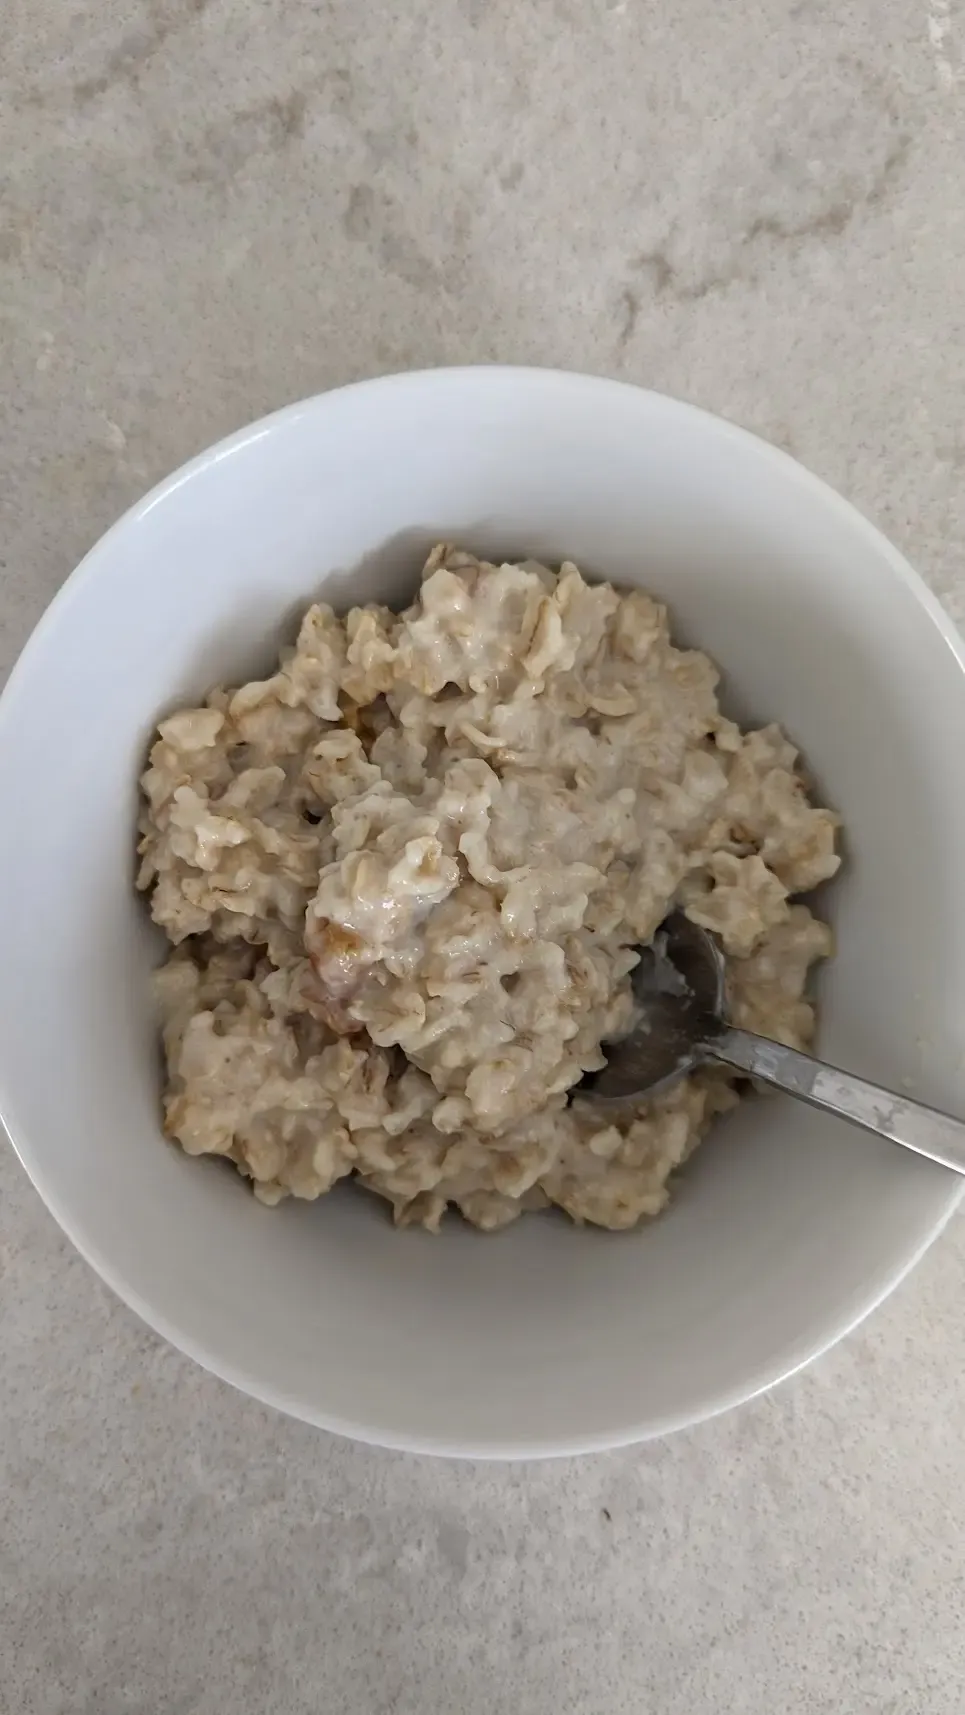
{"type": "Point", "coordinates": [404, 878]}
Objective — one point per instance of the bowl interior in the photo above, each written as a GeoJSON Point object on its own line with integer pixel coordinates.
{"type": "Point", "coordinates": [786, 1227]}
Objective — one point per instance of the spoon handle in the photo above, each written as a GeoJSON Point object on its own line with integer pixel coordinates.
{"type": "Point", "coordinates": [924, 1130]}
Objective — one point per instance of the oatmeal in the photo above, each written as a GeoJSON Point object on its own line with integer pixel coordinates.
{"type": "Point", "coordinates": [405, 878]}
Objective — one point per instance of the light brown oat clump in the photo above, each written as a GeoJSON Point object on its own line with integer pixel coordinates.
{"type": "Point", "coordinates": [405, 877]}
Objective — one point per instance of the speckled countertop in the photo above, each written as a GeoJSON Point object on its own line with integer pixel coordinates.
{"type": "Point", "coordinates": [208, 207]}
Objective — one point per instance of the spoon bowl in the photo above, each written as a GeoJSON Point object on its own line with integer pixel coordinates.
{"type": "Point", "coordinates": [679, 991]}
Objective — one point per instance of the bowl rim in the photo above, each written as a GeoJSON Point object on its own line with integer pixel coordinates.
{"type": "Point", "coordinates": [170, 1329]}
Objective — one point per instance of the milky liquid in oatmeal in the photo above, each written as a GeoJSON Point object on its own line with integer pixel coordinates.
{"type": "Point", "coordinates": [404, 878]}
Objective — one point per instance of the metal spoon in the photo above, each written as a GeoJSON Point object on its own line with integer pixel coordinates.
{"type": "Point", "coordinates": [679, 984]}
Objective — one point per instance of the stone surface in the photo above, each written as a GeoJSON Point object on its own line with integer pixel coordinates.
{"type": "Point", "coordinates": [208, 207]}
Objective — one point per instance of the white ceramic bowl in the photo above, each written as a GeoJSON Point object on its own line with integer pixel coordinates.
{"type": "Point", "coordinates": [787, 1228]}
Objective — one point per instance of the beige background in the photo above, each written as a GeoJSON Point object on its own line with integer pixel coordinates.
{"type": "Point", "coordinates": [209, 207]}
